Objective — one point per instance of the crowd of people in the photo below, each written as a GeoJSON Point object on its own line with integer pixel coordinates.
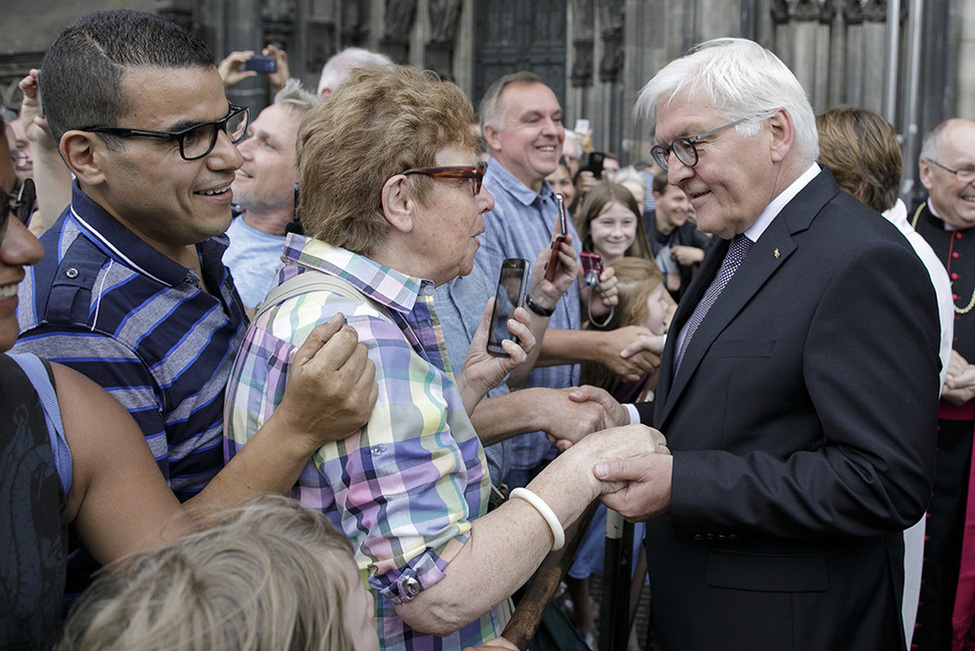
{"type": "Point", "coordinates": [727, 344]}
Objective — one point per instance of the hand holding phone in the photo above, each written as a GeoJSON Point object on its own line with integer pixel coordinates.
{"type": "Point", "coordinates": [509, 295]}
{"type": "Point", "coordinates": [592, 268]}
{"type": "Point", "coordinates": [262, 64]}
{"type": "Point", "coordinates": [553, 262]}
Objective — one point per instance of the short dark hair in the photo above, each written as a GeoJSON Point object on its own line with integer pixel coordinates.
{"type": "Point", "coordinates": [82, 71]}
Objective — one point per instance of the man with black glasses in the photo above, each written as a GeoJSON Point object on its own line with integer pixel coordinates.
{"type": "Point", "coordinates": [131, 290]}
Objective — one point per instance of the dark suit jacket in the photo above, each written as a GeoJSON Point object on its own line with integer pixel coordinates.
{"type": "Point", "coordinates": [803, 430]}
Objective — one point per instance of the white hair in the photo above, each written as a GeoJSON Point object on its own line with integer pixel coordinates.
{"type": "Point", "coordinates": [739, 79]}
{"type": "Point", "coordinates": [337, 68]}
{"type": "Point", "coordinates": [630, 173]}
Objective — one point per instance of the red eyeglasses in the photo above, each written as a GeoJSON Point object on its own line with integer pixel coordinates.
{"type": "Point", "coordinates": [473, 172]}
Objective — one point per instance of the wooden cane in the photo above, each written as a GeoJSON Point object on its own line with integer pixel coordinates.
{"type": "Point", "coordinates": [528, 615]}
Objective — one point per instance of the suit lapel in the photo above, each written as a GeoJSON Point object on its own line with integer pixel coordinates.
{"type": "Point", "coordinates": [768, 254]}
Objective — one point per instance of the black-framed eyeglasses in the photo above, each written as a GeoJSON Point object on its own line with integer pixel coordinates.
{"type": "Point", "coordinates": [473, 172]}
{"type": "Point", "coordinates": [684, 149]}
{"type": "Point", "coordinates": [196, 141]}
{"type": "Point", "coordinates": [21, 205]}
{"type": "Point", "coordinates": [965, 175]}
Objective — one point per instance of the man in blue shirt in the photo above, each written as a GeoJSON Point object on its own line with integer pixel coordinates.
{"type": "Point", "coordinates": [131, 290]}
{"type": "Point", "coordinates": [521, 120]}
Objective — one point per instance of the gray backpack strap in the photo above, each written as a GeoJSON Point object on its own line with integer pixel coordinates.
{"type": "Point", "coordinates": [307, 282]}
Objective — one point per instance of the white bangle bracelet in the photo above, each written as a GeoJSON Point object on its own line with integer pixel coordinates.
{"type": "Point", "coordinates": [558, 533]}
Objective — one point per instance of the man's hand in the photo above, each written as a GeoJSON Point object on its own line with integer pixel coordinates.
{"type": "Point", "coordinates": [35, 126]}
{"type": "Point", "coordinates": [632, 367]}
{"type": "Point", "coordinates": [278, 78]}
{"type": "Point", "coordinates": [959, 385]}
{"type": "Point", "coordinates": [483, 371]}
{"type": "Point", "coordinates": [616, 414]}
{"type": "Point", "coordinates": [687, 255]}
{"type": "Point", "coordinates": [331, 388]}
{"type": "Point", "coordinates": [575, 413]}
{"type": "Point", "coordinates": [230, 68]}
{"type": "Point", "coordinates": [547, 293]}
{"type": "Point", "coordinates": [646, 484]}
{"type": "Point", "coordinates": [609, 446]}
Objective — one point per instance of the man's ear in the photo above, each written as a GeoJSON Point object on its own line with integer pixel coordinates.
{"type": "Point", "coordinates": [925, 172]}
{"type": "Point", "coordinates": [398, 203]}
{"type": "Point", "coordinates": [492, 137]}
{"type": "Point", "coordinates": [783, 135]}
{"type": "Point", "coordinates": [84, 154]}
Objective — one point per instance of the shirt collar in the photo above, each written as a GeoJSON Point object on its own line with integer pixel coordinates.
{"type": "Point", "coordinates": [776, 205]}
{"type": "Point", "coordinates": [121, 244]}
{"type": "Point", "coordinates": [498, 174]}
{"type": "Point", "coordinates": [386, 286]}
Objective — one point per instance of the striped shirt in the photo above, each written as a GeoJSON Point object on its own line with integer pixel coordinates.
{"type": "Point", "coordinates": [107, 304]}
{"type": "Point", "coordinates": [520, 226]}
{"type": "Point", "coordinates": [405, 488]}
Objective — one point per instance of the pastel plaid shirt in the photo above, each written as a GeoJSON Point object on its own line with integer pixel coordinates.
{"type": "Point", "coordinates": [405, 488]}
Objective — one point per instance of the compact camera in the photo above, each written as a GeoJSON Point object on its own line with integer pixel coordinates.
{"type": "Point", "coordinates": [592, 267]}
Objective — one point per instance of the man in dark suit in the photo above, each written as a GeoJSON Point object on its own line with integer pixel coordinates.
{"type": "Point", "coordinates": [800, 406]}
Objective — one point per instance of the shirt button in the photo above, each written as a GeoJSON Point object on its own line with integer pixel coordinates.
{"type": "Point", "coordinates": [959, 235]}
{"type": "Point", "coordinates": [411, 587]}
{"type": "Point", "coordinates": [698, 536]}
{"type": "Point", "coordinates": [71, 273]}
{"type": "Point", "coordinates": [954, 297]}
{"type": "Point", "coordinates": [956, 255]}
{"type": "Point", "coordinates": [955, 276]}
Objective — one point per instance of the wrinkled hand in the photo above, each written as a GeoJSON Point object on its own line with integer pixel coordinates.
{"type": "Point", "coordinates": [687, 255]}
{"type": "Point", "coordinates": [644, 484]}
{"type": "Point", "coordinates": [636, 364]}
{"type": "Point", "coordinates": [35, 126]}
{"type": "Point", "coordinates": [959, 385]}
{"type": "Point", "coordinates": [496, 643]}
{"type": "Point", "coordinates": [483, 371]}
{"type": "Point", "coordinates": [279, 78]}
{"type": "Point", "coordinates": [574, 418]}
{"type": "Point", "coordinates": [616, 414]}
{"type": "Point", "coordinates": [332, 387]}
{"type": "Point", "coordinates": [230, 68]}
{"type": "Point", "coordinates": [611, 445]}
{"type": "Point", "coordinates": [547, 293]}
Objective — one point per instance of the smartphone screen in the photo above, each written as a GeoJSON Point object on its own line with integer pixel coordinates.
{"type": "Point", "coordinates": [509, 295]}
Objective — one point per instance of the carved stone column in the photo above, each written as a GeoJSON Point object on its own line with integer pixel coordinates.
{"type": "Point", "coordinates": [611, 16]}
{"type": "Point", "coordinates": [438, 54]}
{"type": "Point", "coordinates": [397, 25]}
{"type": "Point", "coordinates": [582, 43]}
{"type": "Point", "coordinates": [278, 17]}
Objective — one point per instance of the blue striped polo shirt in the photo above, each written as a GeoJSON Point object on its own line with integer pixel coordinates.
{"type": "Point", "coordinates": [107, 304]}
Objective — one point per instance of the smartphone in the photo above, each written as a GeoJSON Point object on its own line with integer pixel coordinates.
{"type": "Point", "coordinates": [553, 261]}
{"type": "Point", "coordinates": [595, 164]}
{"type": "Point", "coordinates": [261, 64]}
{"type": "Point", "coordinates": [592, 267]}
{"type": "Point", "coordinates": [512, 285]}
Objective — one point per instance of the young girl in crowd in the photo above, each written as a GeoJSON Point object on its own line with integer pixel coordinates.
{"type": "Point", "coordinates": [609, 223]}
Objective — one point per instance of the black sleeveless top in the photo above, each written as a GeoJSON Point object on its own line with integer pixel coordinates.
{"type": "Point", "coordinates": [33, 521]}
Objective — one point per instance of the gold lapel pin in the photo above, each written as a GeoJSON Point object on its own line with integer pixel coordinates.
{"type": "Point", "coordinates": [776, 254]}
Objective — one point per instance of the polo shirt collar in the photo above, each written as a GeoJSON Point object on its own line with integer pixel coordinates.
{"type": "Point", "coordinates": [521, 192]}
{"type": "Point", "coordinates": [121, 244]}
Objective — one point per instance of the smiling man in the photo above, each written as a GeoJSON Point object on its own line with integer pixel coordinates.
{"type": "Point", "coordinates": [521, 121]}
{"type": "Point", "coordinates": [131, 290]}
{"type": "Point", "coordinates": [799, 384]}
{"type": "Point", "coordinates": [264, 191]}
{"type": "Point", "coordinates": [945, 220]}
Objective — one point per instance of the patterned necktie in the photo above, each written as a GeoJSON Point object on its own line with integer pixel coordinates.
{"type": "Point", "coordinates": [736, 253]}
